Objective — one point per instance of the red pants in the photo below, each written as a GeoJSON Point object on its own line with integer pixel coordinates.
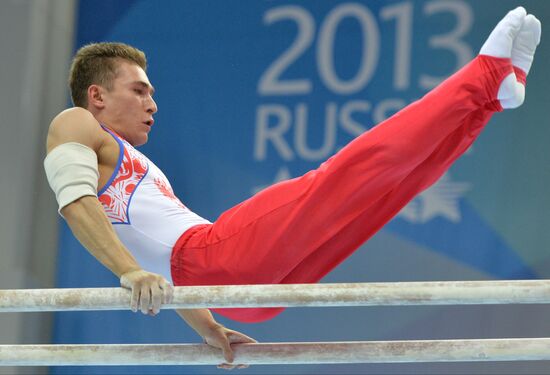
{"type": "Point", "coordinates": [298, 230]}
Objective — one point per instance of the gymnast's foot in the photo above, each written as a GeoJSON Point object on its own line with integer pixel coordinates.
{"type": "Point", "coordinates": [501, 40]}
{"type": "Point", "coordinates": [512, 90]}
{"type": "Point", "coordinates": [525, 44]}
{"type": "Point", "coordinates": [516, 36]}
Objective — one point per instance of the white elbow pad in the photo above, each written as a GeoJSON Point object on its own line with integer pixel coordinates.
{"type": "Point", "coordinates": [71, 169]}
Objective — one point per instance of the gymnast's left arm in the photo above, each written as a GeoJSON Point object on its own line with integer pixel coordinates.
{"type": "Point", "coordinates": [215, 334]}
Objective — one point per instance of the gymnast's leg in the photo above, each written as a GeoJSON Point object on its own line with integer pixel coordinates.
{"type": "Point", "coordinates": [317, 220]}
{"type": "Point", "coordinates": [512, 93]}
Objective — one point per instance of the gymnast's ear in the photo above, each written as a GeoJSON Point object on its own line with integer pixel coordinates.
{"type": "Point", "coordinates": [95, 96]}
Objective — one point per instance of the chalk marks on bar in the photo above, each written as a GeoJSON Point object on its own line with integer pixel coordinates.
{"type": "Point", "coordinates": [289, 295]}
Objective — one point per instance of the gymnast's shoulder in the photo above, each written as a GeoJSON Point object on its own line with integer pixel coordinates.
{"type": "Point", "coordinates": [75, 124]}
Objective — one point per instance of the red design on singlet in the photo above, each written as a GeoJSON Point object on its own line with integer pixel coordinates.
{"type": "Point", "coordinates": [167, 191]}
{"type": "Point", "coordinates": [117, 197]}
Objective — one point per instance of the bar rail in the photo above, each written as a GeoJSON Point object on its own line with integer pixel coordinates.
{"type": "Point", "coordinates": [289, 295]}
{"type": "Point", "coordinates": [534, 349]}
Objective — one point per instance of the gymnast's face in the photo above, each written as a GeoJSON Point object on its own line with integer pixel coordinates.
{"type": "Point", "coordinates": [128, 107]}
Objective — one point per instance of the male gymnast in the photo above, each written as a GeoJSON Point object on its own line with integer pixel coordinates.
{"type": "Point", "coordinates": [121, 207]}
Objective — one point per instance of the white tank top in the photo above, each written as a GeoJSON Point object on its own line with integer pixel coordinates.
{"type": "Point", "coordinates": [147, 216]}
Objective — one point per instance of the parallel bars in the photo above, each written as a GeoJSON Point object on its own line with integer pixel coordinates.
{"type": "Point", "coordinates": [289, 295]}
{"type": "Point", "coordinates": [350, 294]}
{"type": "Point", "coordinates": [278, 353]}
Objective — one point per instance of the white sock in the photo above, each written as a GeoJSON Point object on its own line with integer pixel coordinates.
{"type": "Point", "coordinates": [526, 42]}
{"type": "Point", "coordinates": [511, 93]}
{"type": "Point", "coordinates": [499, 43]}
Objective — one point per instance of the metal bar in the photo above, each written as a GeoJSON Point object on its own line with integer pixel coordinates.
{"type": "Point", "coordinates": [290, 295]}
{"type": "Point", "coordinates": [534, 349]}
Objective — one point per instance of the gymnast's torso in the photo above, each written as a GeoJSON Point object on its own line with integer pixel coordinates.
{"type": "Point", "coordinates": [146, 215]}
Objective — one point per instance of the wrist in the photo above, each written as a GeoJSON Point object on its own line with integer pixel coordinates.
{"type": "Point", "coordinates": [209, 328]}
{"type": "Point", "coordinates": [126, 269]}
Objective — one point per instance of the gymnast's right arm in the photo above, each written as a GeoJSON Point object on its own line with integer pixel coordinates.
{"type": "Point", "coordinates": [74, 142]}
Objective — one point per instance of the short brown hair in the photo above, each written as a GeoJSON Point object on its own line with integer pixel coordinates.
{"type": "Point", "coordinates": [96, 63]}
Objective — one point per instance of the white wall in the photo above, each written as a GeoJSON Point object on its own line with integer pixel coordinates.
{"type": "Point", "coordinates": [36, 38]}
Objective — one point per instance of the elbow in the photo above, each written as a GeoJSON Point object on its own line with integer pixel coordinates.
{"type": "Point", "coordinates": [77, 207]}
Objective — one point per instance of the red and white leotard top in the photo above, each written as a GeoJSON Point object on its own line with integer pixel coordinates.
{"type": "Point", "coordinates": [147, 216]}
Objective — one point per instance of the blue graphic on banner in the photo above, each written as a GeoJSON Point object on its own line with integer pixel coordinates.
{"type": "Point", "coordinates": [482, 248]}
{"type": "Point", "coordinates": [255, 92]}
